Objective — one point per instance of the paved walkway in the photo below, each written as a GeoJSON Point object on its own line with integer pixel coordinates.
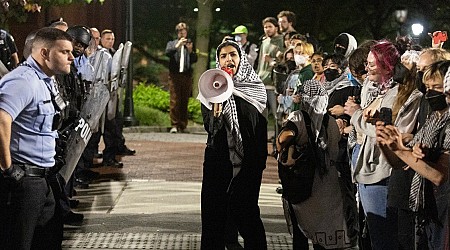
{"type": "Point", "coordinates": [154, 201]}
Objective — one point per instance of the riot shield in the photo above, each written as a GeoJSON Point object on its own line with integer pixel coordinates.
{"type": "Point", "coordinates": [114, 83]}
{"type": "Point", "coordinates": [124, 71]}
{"type": "Point", "coordinates": [101, 61]}
{"type": "Point", "coordinates": [80, 135]}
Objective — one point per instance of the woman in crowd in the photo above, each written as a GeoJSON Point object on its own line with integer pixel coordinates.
{"type": "Point", "coordinates": [235, 156]}
{"type": "Point", "coordinates": [372, 170]}
{"type": "Point", "coordinates": [426, 158]}
{"type": "Point", "coordinates": [288, 101]}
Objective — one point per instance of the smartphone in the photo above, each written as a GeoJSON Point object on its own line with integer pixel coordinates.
{"type": "Point", "coordinates": [385, 116]}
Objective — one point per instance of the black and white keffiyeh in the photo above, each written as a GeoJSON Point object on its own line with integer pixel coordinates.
{"type": "Point", "coordinates": [314, 102]}
{"type": "Point", "coordinates": [428, 135]}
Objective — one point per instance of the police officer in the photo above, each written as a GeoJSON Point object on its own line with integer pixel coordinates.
{"type": "Point", "coordinates": [75, 88]}
{"type": "Point", "coordinates": [28, 104]}
{"type": "Point", "coordinates": [8, 50]}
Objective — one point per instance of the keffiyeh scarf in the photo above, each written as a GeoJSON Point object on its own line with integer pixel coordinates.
{"type": "Point", "coordinates": [429, 136]}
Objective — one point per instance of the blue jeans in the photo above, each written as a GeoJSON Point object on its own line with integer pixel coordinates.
{"type": "Point", "coordinates": [381, 220]}
{"type": "Point", "coordinates": [355, 154]}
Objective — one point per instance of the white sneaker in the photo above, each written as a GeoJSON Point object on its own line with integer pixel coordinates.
{"type": "Point", "coordinates": [173, 130]}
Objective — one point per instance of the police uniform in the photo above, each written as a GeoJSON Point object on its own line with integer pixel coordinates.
{"type": "Point", "coordinates": [27, 206]}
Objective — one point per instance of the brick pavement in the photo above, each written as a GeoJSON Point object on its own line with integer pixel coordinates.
{"type": "Point", "coordinates": [171, 161]}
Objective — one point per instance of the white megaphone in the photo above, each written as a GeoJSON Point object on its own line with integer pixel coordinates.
{"type": "Point", "coordinates": [214, 86]}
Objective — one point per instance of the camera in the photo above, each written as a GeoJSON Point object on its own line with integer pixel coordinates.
{"type": "Point", "coordinates": [188, 40]}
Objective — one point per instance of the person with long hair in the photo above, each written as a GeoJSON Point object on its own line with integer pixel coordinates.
{"type": "Point", "coordinates": [372, 170]}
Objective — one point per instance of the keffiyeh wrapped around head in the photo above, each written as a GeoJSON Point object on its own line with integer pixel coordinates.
{"type": "Point", "coordinates": [248, 86]}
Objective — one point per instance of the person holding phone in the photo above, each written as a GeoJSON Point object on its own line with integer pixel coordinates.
{"type": "Point", "coordinates": [372, 170]}
{"type": "Point", "coordinates": [425, 158]}
{"type": "Point", "coordinates": [182, 55]}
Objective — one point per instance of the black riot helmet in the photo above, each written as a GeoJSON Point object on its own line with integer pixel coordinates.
{"type": "Point", "coordinates": [81, 34]}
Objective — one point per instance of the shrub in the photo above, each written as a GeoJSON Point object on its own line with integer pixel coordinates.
{"type": "Point", "coordinates": [156, 98]}
{"type": "Point", "coordinates": [151, 117]}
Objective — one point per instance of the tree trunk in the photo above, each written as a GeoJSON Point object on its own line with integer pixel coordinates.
{"type": "Point", "coordinates": [204, 21]}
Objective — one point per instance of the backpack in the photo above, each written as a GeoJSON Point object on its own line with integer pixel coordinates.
{"type": "Point", "coordinates": [298, 180]}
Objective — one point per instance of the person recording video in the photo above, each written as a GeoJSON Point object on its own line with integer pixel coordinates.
{"type": "Point", "coordinates": [182, 55]}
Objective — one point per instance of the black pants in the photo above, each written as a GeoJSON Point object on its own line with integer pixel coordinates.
{"type": "Point", "coordinates": [240, 202]}
{"type": "Point", "coordinates": [26, 212]}
{"type": "Point", "coordinates": [113, 137]}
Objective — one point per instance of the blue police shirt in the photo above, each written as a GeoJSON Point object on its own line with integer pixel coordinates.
{"type": "Point", "coordinates": [25, 95]}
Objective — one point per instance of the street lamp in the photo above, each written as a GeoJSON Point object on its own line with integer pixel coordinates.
{"type": "Point", "coordinates": [128, 111]}
{"type": "Point", "coordinates": [417, 29]}
{"type": "Point", "coordinates": [401, 13]}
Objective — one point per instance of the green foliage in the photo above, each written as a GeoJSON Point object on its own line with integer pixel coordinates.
{"type": "Point", "coordinates": [151, 96]}
{"type": "Point", "coordinates": [195, 110]}
{"type": "Point", "coordinates": [151, 117]}
{"type": "Point", "coordinates": [154, 97]}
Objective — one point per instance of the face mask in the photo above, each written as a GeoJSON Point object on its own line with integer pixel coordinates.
{"type": "Point", "coordinates": [291, 65]}
{"type": "Point", "coordinates": [340, 51]}
{"type": "Point", "coordinates": [419, 82]}
{"type": "Point", "coordinates": [238, 39]}
{"type": "Point", "coordinates": [436, 100]}
{"type": "Point", "coordinates": [299, 59]}
{"type": "Point", "coordinates": [331, 74]}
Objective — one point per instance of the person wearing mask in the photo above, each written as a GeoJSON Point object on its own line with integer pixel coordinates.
{"type": "Point", "coordinates": [251, 50]}
{"type": "Point", "coordinates": [29, 102]}
{"type": "Point", "coordinates": [426, 158]}
{"type": "Point", "coordinates": [182, 55]}
{"type": "Point", "coordinates": [235, 155]}
{"type": "Point", "coordinates": [290, 98]}
{"type": "Point", "coordinates": [345, 44]}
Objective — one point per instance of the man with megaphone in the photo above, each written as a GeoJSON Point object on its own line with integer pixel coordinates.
{"type": "Point", "coordinates": [233, 98]}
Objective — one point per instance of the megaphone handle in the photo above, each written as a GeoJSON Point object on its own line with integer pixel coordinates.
{"type": "Point", "coordinates": [217, 109]}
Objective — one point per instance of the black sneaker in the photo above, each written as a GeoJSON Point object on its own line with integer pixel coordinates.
{"type": "Point", "coordinates": [73, 219]}
{"type": "Point", "coordinates": [113, 163]}
{"type": "Point", "coordinates": [126, 151]}
{"type": "Point", "coordinates": [74, 203]}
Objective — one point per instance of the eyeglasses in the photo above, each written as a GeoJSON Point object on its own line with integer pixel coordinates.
{"type": "Point", "coordinates": [317, 60]}
{"type": "Point", "coordinates": [367, 64]}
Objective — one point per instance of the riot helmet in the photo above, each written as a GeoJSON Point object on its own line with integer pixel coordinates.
{"type": "Point", "coordinates": [81, 34]}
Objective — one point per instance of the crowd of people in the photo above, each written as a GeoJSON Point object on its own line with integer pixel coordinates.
{"type": "Point", "coordinates": [362, 135]}
{"type": "Point", "coordinates": [65, 90]}
{"type": "Point", "coordinates": [361, 139]}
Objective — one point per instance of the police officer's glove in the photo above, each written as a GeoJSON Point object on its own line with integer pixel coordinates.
{"type": "Point", "coordinates": [13, 174]}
